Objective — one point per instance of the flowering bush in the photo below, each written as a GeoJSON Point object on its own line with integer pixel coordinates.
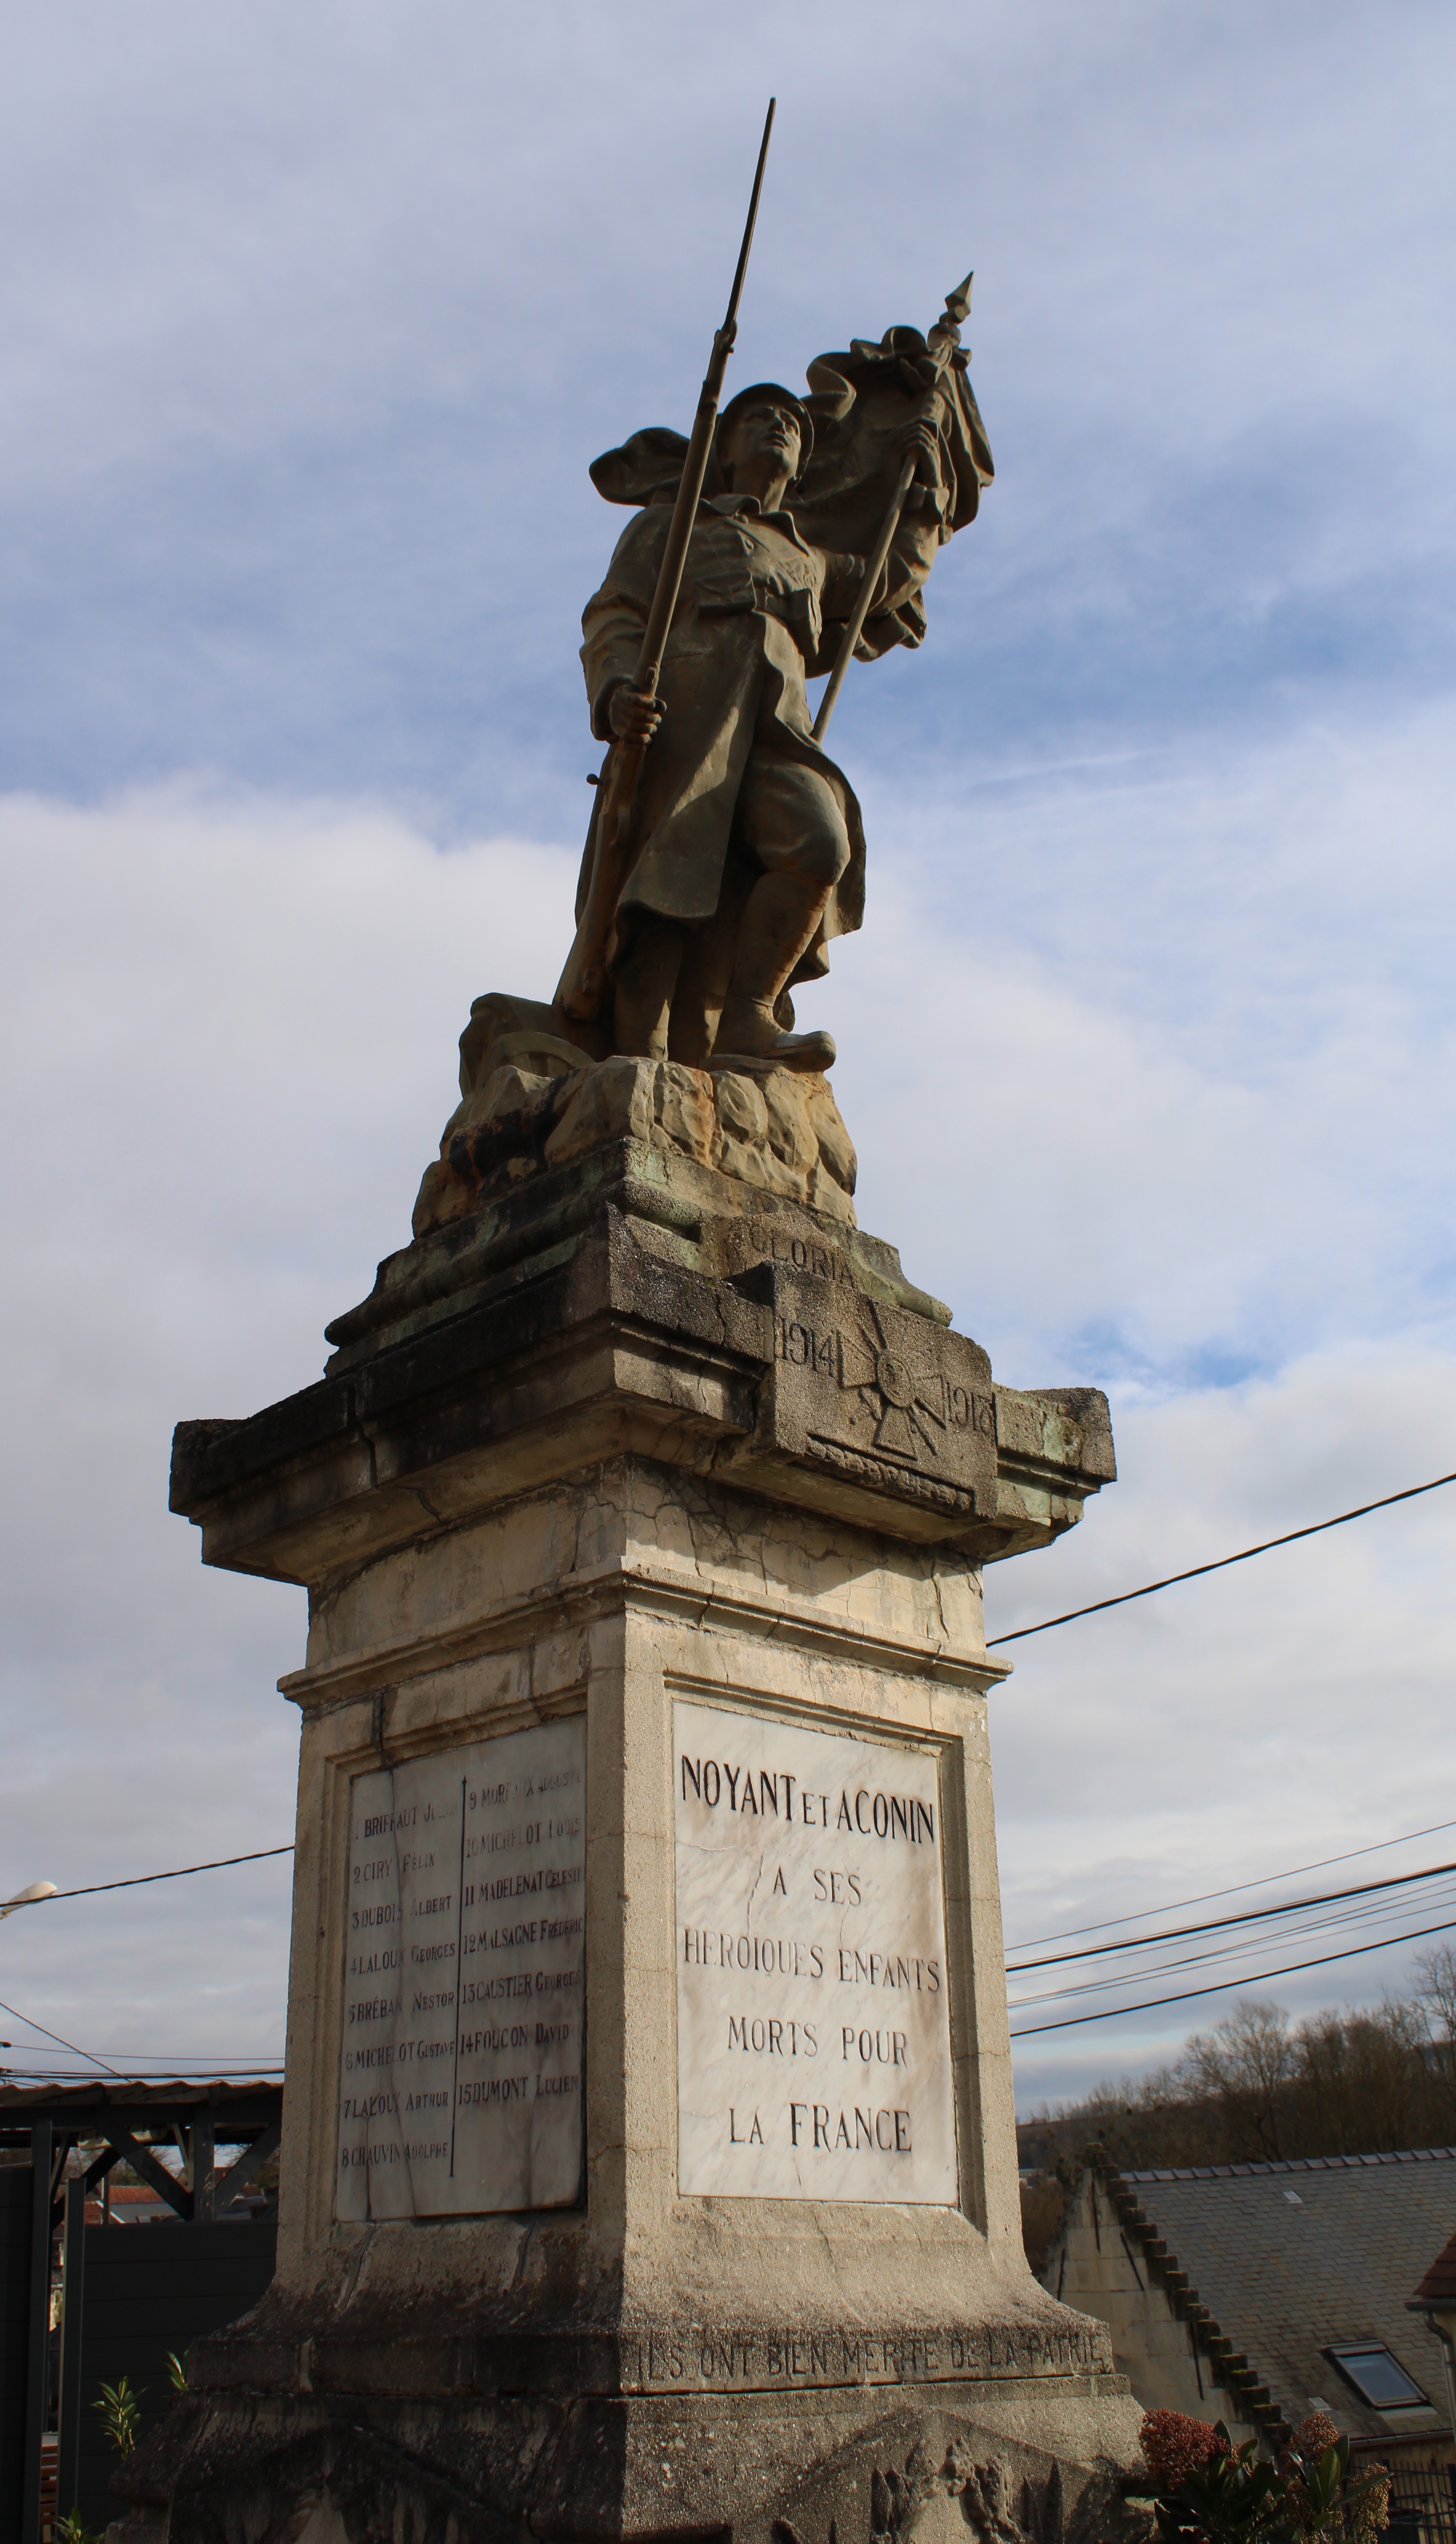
{"type": "Point", "coordinates": [1174, 2446]}
{"type": "Point", "coordinates": [1204, 2490]}
{"type": "Point", "coordinates": [1361, 2508]}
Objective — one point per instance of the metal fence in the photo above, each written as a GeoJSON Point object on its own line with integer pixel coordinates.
{"type": "Point", "coordinates": [154, 2287]}
{"type": "Point", "coordinates": [1422, 2506]}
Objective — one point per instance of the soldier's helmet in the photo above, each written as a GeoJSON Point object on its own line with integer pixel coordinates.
{"type": "Point", "coordinates": [757, 395]}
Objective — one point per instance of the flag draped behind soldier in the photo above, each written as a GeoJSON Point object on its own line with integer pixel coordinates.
{"type": "Point", "coordinates": [747, 846]}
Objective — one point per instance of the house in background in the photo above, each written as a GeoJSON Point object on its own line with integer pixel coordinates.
{"type": "Point", "coordinates": [128, 2203]}
{"type": "Point", "coordinates": [1435, 2299]}
{"type": "Point", "coordinates": [1257, 2293]}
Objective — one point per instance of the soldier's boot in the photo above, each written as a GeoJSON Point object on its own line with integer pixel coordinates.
{"type": "Point", "coordinates": [783, 913]}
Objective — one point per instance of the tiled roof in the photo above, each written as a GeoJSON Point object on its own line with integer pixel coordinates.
{"type": "Point", "coordinates": [1438, 2288]}
{"type": "Point", "coordinates": [1298, 2164]}
{"type": "Point", "coordinates": [1291, 2258]}
{"type": "Point", "coordinates": [67, 2104]}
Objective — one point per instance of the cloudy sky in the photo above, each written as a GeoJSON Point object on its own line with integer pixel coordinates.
{"type": "Point", "coordinates": [309, 325]}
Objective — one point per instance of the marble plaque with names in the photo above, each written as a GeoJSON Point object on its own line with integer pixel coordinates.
{"type": "Point", "coordinates": [460, 2083]}
{"type": "Point", "coordinates": [813, 2049]}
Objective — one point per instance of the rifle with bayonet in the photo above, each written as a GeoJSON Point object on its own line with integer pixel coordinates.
{"type": "Point", "coordinates": [583, 984]}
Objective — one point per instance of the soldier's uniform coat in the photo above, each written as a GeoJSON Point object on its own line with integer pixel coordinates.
{"type": "Point", "coordinates": [749, 627]}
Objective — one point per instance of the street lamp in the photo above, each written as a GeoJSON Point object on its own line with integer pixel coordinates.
{"type": "Point", "coordinates": [22, 1898]}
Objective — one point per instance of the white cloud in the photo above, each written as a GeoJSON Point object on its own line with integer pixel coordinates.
{"type": "Point", "coordinates": [1274, 1715]}
{"type": "Point", "coordinates": [1171, 1044]}
{"type": "Point", "coordinates": [319, 319]}
{"type": "Point", "coordinates": [231, 1022]}
{"type": "Point", "coordinates": [229, 1026]}
{"type": "Point", "coordinates": [316, 321]}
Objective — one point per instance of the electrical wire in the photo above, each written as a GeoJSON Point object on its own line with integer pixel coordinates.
{"type": "Point", "coordinates": [1221, 1562]}
{"type": "Point", "coordinates": [1066, 1934]}
{"type": "Point", "coordinates": [139, 1881]}
{"type": "Point", "coordinates": [261, 2074]}
{"type": "Point", "coordinates": [1412, 1493]}
{"type": "Point", "coordinates": [135, 2070]}
{"type": "Point", "coordinates": [1253, 1978]}
{"type": "Point", "coordinates": [1318, 1928]}
{"type": "Point", "coordinates": [142, 2068]}
{"type": "Point", "coordinates": [129, 2062]}
{"type": "Point", "coordinates": [168, 2066]}
{"type": "Point", "coordinates": [1199, 1899]}
{"type": "Point", "coordinates": [1248, 1917]}
{"type": "Point", "coordinates": [1018, 1634]}
{"type": "Point", "coordinates": [74, 2047]}
{"type": "Point", "coordinates": [1325, 1925]}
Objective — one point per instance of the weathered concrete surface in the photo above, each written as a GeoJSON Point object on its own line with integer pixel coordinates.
{"type": "Point", "coordinates": [532, 1101]}
{"type": "Point", "coordinates": [652, 1464]}
{"type": "Point", "coordinates": [939, 2464]}
{"type": "Point", "coordinates": [684, 1211]}
{"type": "Point", "coordinates": [785, 1381]}
{"type": "Point", "coordinates": [772, 1130]}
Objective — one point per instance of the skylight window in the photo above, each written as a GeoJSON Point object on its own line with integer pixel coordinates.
{"type": "Point", "coordinates": [1377, 2377]}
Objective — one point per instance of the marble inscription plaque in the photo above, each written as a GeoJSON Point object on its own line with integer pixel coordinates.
{"type": "Point", "coordinates": [813, 2050]}
{"type": "Point", "coordinates": [460, 2085]}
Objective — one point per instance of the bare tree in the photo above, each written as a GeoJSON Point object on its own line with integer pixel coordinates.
{"type": "Point", "coordinates": [1255, 2090]}
{"type": "Point", "coordinates": [1434, 1997]}
{"type": "Point", "coordinates": [1247, 2064]}
{"type": "Point", "coordinates": [1362, 2086]}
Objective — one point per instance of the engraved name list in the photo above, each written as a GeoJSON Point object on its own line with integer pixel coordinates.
{"type": "Point", "coordinates": [460, 2085]}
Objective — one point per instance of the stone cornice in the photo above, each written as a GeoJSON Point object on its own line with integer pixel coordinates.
{"type": "Point", "coordinates": [611, 1590]}
{"type": "Point", "coordinates": [772, 1381]}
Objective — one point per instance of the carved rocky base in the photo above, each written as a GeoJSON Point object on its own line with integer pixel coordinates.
{"type": "Point", "coordinates": [1031, 2461]}
{"type": "Point", "coordinates": [531, 1101]}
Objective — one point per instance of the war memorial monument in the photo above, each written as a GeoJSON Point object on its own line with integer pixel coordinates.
{"type": "Point", "coordinates": [649, 2164]}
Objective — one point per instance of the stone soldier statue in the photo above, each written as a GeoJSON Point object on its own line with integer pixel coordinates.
{"type": "Point", "coordinates": [747, 852]}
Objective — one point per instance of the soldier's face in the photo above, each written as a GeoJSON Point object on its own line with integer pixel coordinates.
{"type": "Point", "coordinates": [769, 434]}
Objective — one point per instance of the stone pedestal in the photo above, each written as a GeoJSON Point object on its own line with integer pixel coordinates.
{"type": "Point", "coordinates": [648, 2162]}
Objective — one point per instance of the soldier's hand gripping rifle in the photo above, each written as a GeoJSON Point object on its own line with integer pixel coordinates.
{"type": "Point", "coordinates": [581, 985]}
{"type": "Point", "coordinates": [941, 343]}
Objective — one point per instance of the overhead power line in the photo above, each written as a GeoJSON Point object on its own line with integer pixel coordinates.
{"type": "Point", "coordinates": [154, 2072]}
{"type": "Point", "coordinates": [1099, 1925]}
{"type": "Point", "coordinates": [74, 2047]}
{"type": "Point", "coordinates": [1223, 1950]}
{"type": "Point", "coordinates": [168, 2066]}
{"type": "Point", "coordinates": [1070, 1615]}
{"type": "Point", "coordinates": [1412, 1493]}
{"type": "Point", "coordinates": [1221, 1562]}
{"type": "Point", "coordinates": [1200, 1898]}
{"type": "Point", "coordinates": [137, 1880]}
{"type": "Point", "coordinates": [1225, 1987]}
{"type": "Point", "coordinates": [1212, 1924]}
